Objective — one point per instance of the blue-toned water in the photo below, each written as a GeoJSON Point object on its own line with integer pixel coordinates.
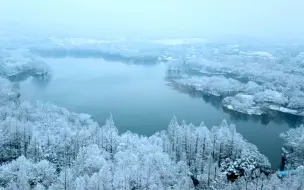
{"type": "Point", "coordinates": [140, 100]}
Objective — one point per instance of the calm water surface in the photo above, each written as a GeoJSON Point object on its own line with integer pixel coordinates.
{"type": "Point", "coordinates": [140, 100]}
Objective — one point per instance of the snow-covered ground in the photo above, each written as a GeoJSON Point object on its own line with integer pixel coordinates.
{"type": "Point", "coordinates": [273, 75]}
{"type": "Point", "coordinates": [21, 62]}
{"type": "Point", "coordinates": [250, 79]}
{"type": "Point", "coordinates": [43, 146]}
{"type": "Point", "coordinates": [41, 143]}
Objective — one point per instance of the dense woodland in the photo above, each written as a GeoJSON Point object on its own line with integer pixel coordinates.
{"type": "Point", "coordinates": [48, 147]}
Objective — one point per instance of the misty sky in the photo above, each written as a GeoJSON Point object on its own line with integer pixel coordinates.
{"type": "Point", "coordinates": [282, 18]}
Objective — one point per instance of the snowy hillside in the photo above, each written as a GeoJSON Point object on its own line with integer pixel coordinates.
{"type": "Point", "coordinates": [271, 77]}
{"type": "Point", "coordinates": [43, 146]}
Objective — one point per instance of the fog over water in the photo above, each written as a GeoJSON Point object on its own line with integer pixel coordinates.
{"type": "Point", "coordinates": [138, 96]}
{"type": "Point", "coordinates": [141, 101]}
{"type": "Point", "coordinates": [153, 94]}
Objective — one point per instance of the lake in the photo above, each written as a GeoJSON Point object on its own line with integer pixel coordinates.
{"type": "Point", "coordinates": [140, 100]}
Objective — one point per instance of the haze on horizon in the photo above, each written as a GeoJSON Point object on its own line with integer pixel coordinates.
{"type": "Point", "coordinates": [157, 18]}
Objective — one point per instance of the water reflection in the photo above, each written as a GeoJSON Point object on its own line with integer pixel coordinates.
{"type": "Point", "coordinates": [41, 81]}
{"type": "Point", "coordinates": [97, 54]}
{"type": "Point", "coordinates": [140, 101]}
{"type": "Point", "coordinates": [45, 77]}
{"type": "Point", "coordinates": [19, 77]}
{"type": "Point", "coordinates": [214, 100]}
{"type": "Point", "coordinates": [272, 115]}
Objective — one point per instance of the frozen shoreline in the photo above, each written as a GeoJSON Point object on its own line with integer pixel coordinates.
{"type": "Point", "coordinates": [70, 149]}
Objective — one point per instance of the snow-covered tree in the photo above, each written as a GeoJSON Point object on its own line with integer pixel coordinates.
{"type": "Point", "coordinates": [293, 148]}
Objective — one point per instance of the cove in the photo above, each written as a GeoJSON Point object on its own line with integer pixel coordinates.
{"type": "Point", "coordinates": [141, 101]}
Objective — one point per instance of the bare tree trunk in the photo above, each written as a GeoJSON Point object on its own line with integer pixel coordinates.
{"type": "Point", "coordinates": [209, 171]}
{"type": "Point", "coordinates": [65, 179]}
{"type": "Point", "coordinates": [204, 146]}
{"type": "Point", "coordinates": [213, 151]}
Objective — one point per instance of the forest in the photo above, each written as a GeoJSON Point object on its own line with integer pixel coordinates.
{"type": "Point", "coordinates": [229, 73]}
{"type": "Point", "coordinates": [47, 147]}
{"type": "Point", "coordinates": [44, 146]}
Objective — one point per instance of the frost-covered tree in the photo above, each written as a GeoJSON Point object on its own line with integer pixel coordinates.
{"type": "Point", "coordinates": [196, 146]}
{"type": "Point", "coordinates": [43, 146]}
{"type": "Point", "coordinates": [293, 148]}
